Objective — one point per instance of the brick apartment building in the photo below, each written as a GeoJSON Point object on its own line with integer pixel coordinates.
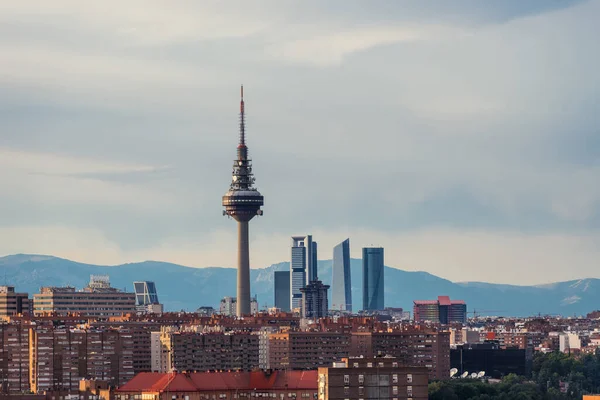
{"type": "Point", "coordinates": [60, 358]}
{"type": "Point", "coordinates": [372, 378]}
{"type": "Point", "coordinates": [307, 350]}
{"type": "Point", "coordinates": [213, 351]}
{"type": "Point", "coordinates": [14, 357]}
{"type": "Point", "coordinates": [421, 348]}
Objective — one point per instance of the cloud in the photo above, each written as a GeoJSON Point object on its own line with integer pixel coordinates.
{"type": "Point", "coordinates": [470, 122]}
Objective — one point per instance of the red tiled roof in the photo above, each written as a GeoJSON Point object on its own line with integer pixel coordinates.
{"type": "Point", "coordinates": [444, 300]}
{"type": "Point", "coordinates": [192, 382]}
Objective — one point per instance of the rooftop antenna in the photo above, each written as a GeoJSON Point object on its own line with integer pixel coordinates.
{"type": "Point", "coordinates": [242, 118]}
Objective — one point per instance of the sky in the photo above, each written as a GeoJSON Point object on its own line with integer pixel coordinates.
{"type": "Point", "coordinates": [461, 136]}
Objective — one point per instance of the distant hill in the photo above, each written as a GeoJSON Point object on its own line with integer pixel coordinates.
{"type": "Point", "coordinates": [186, 288]}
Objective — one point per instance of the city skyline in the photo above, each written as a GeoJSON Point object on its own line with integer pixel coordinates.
{"type": "Point", "coordinates": [471, 125]}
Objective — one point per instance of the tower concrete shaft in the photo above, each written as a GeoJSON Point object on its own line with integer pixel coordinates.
{"type": "Point", "coordinates": [243, 270]}
{"type": "Point", "coordinates": [242, 202]}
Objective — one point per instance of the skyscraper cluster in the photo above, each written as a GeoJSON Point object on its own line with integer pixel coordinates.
{"type": "Point", "coordinates": [300, 289]}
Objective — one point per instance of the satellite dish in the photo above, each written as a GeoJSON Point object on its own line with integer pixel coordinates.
{"type": "Point", "coordinates": [453, 372]}
{"type": "Point", "coordinates": [464, 375]}
{"type": "Point", "coordinates": [481, 374]}
{"type": "Point", "coordinates": [474, 375]}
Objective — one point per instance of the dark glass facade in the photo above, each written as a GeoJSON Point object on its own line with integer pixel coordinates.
{"type": "Point", "coordinates": [282, 290]}
{"type": "Point", "coordinates": [341, 282]}
{"type": "Point", "coordinates": [373, 279]}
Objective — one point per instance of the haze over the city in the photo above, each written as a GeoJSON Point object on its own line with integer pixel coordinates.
{"type": "Point", "coordinates": [460, 136]}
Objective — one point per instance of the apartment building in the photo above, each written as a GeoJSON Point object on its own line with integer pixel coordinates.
{"type": "Point", "coordinates": [372, 378]}
{"type": "Point", "coordinates": [14, 357]}
{"type": "Point", "coordinates": [307, 350]}
{"type": "Point", "coordinates": [98, 299]}
{"type": "Point", "coordinates": [208, 351]}
{"type": "Point", "coordinates": [13, 303]}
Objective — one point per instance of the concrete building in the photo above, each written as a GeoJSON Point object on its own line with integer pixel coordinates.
{"type": "Point", "coordinates": [421, 348]}
{"type": "Point", "coordinates": [442, 310]}
{"type": "Point", "coordinates": [209, 351]}
{"type": "Point", "coordinates": [228, 306]}
{"type": "Point", "coordinates": [373, 278]}
{"type": "Point", "coordinates": [341, 279]}
{"type": "Point", "coordinates": [303, 267]}
{"type": "Point", "coordinates": [282, 290]}
{"type": "Point", "coordinates": [314, 300]}
{"type": "Point", "coordinates": [60, 358]}
{"type": "Point", "coordinates": [307, 350]}
{"type": "Point", "coordinates": [146, 298]}
{"type": "Point", "coordinates": [221, 385]}
{"type": "Point", "coordinates": [98, 299]}
{"type": "Point", "coordinates": [372, 378]}
{"type": "Point", "coordinates": [242, 203]}
{"type": "Point", "coordinates": [13, 303]}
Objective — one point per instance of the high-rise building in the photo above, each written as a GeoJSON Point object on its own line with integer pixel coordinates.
{"type": "Point", "coordinates": [13, 303]}
{"type": "Point", "coordinates": [303, 267]}
{"type": "Point", "coordinates": [341, 282]}
{"type": "Point", "coordinates": [98, 299]}
{"type": "Point", "coordinates": [242, 202]}
{"type": "Point", "coordinates": [314, 300]}
{"type": "Point", "coordinates": [146, 298]}
{"type": "Point", "coordinates": [373, 279]}
{"type": "Point", "coordinates": [282, 290]}
{"type": "Point", "coordinates": [442, 310]}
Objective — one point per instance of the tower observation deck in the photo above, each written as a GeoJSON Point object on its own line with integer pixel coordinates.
{"type": "Point", "coordinates": [242, 202]}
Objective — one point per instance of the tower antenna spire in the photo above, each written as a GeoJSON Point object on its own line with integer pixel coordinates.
{"type": "Point", "coordinates": [242, 118]}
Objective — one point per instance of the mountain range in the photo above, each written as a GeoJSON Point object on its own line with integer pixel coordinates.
{"type": "Point", "coordinates": [187, 288]}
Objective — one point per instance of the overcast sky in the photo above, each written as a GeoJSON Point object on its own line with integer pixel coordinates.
{"type": "Point", "coordinates": [462, 136]}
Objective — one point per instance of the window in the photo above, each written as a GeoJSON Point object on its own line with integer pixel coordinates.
{"type": "Point", "coordinates": [355, 365]}
{"type": "Point", "coordinates": [380, 364]}
{"type": "Point", "coordinates": [395, 378]}
{"type": "Point", "coordinates": [409, 378]}
{"type": "Point", "coordinates": [394, 364]}
{"type": "Point", "coordinates": [409, 391]}
{"type": "Point", "coordinates": [346, 390]}
{"type": "Point", "coordinates": [370, 365]}
{"type": "Point", "coordinates": [347, 379]}
{"type": "Point", "coordinates": [361, 390]}
{"type": "Point", "coordinates": [361, 379]}
{"type": "Point", "coordinates": [395, 390]}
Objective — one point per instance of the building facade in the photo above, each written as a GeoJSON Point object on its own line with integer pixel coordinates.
{"type": "Point", "coordinates": [373, 278]}
{"type": "Point", "coordinates": [307, 350]}
{"type": "Point", "coordinates": [146, 298]}
{"type": "Point", "coordinates": [341, 279]}
{"type": "Point", "coordinates": [314, 300]}
{"type": "Point", "coordinates": [372, 378]}
{"type": "Point", "coordinates": [98, 299]}
{"type": "Point", "coordinates": [13, 303]}
{"type": "Point", "coordinates": [303, 267]}
{"type": "Point", "coordinates": [282, 290]}
{"type": "Point", "coordinates": [442, 310]}
{"type": "Point", "coordinates": [228, 306]}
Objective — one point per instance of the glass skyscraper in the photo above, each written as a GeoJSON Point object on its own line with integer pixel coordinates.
{"type": "Point", "coordinates": [303, 267]}
{"type": "Point", "coordinates": [373, 281]}
{"type": "Point", "coordinates": [341, 282]}
{"type": "Point", "coordinates": [282, 290]}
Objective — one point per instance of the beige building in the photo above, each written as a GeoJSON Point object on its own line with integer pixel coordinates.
{"type": "Point", "coordinates": [13, 303]}
{"type": "Point", "coordinates": [372, 378]}
{"type": "Point", "coordinates": [98, 299]}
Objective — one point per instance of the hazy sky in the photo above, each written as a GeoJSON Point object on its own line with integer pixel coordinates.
{"type": "Point", "coordinates": [462, 136]}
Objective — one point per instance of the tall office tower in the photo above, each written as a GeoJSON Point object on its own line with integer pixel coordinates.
{"type": "Point", "coordinates": [373, 282]}
{"type": "Point", "coordinates": [314, 300]}
{"type": "Point", "coordinates": [341, 282]}
{"type": "Point", "coordinates": [303, 267]}
{"type": "Point", "coordinates": [282, 290]}
{"type": "Point", "coordinates": [442, 310]}
{"type": "Point", "coordinates": [242, 202]}
{"type": "Point", "coordinates": [146, 298]}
